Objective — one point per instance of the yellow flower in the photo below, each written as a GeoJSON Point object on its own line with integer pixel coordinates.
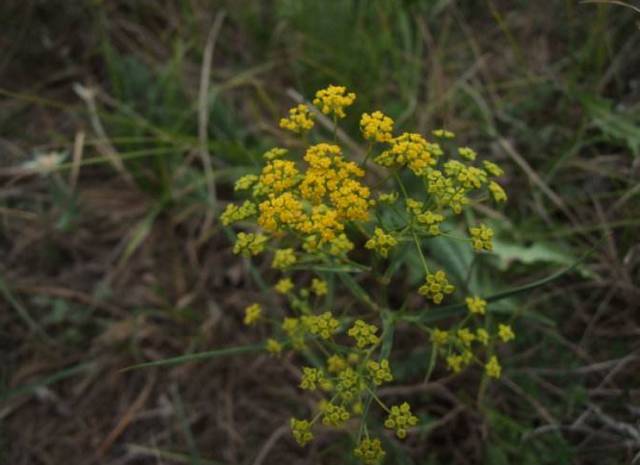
{"type": "Point", "coordinates": [492, 168]}
{"type": "Point", "coordinates": [319, 287]}
{"type": "Point", "coordinates": [249, 244]}
{"type": "Point", "coordinates": [274, 153]}
{"type": "Point", "coordinates": [370, 451]}
{"type": "Point", "coordinates": [493, 368]}
{"type": "Point", "coordinates": [299, 120]}
{"type": "Point", "coordinates": [467, 153]}
{"type": "Point", "coordinates": [376, 126]}
{"type": "Point", "coordinates": [252, 314]}
{"type": "Point", "coordinates": [410, 150]}
{"type": "Point", "coordinates": [311, 378]}
{"type": "Point", "coordinates": [381, 242]}
{"type": "Point", "coordinates": [483, 336]}
{"type": "Point", "coordinates": [284, 286]}
{"type": "Point", "coordinates": [401, 419]}
{"type": "Point", "coordinates": [506, 333]}
{"type": "Point", "coordinates": [301, 430]}
{"type": "Point", "coordinates": [498, 193]}
{"type": "Point", "coordinates": [466, 336]}
{"type": "Point", "coordinates": [481, 238]}
{"type": "Point", "coordinates": [436, 286]}
{"type": "Point", "coordinates": [443, 133]}
{"type": "Point", "coordinates": [324, 325]}
{"type": "Point", "coordinates": [234, 213]}
{"type": "Point", "coordinates": [284, 258]}
{"type": "Point", "coordinates": [476, 305]}
{"type": "Point", "coordinates": [380, 372]}
{"type": "Point", "coordinates": [335, 364]}
{"type": "Point", "coordinates": [334, 415]}
{"type": "Point", "coordinates": [456, 363]}
{"type": "Point", "coordinates": [364, 334]}
{"type": "Point", "coordinates": [439, 337]}
{"type": "Point", "coordinates": [350, 384]}
{"type": "Point", "coordinates": [333, 100]}
{"type": "Point", "coordinates": [279, 175]}
{"type": "Point", "coordinates": [245, 182]}
{"type": "Point", "coordinates": [273, 346]}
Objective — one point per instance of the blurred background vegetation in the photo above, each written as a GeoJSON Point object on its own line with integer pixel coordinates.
{"type": "Point", "coordinates": [114, 257]}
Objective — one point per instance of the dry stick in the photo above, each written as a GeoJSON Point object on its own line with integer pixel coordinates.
{"type": "Point", "coordinates": [89, 97]}
{"type": "Point", "coordinates": [203, 117]}
{"type": "Point", "coordinates": [127, 418]}
{"type": "Point", "coordinates": [534, 178]}
{"type": "Point", "coordinates": [78, 148]}
{"type": "Point", "coordinates": [268, 445]}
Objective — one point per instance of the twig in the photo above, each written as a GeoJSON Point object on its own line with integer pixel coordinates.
{"type": "Point", "coordinates": [203, 118]}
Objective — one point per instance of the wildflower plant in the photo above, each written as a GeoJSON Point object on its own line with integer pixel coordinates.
{"type": "Point", "coordinates": [322, 215]}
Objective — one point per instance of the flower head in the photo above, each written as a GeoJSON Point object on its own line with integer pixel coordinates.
{"type": "Point", "coordinates": [333, 100]}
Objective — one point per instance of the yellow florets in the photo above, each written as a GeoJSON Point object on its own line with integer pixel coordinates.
{"type": "Point", "coordinates": [252, 314]}
{"type": "Point", "coordinates": [465, 336]}
{"type": "Point", "coordinates": [401, 419]}
{"type": "Point", "coordinates": [410, 150]}
{"type": "Point", "coordinates": [334, 415]}
{"type": "Point", "coordinates": [245, 182]}
{"type": "Point", "coordinates": [483, 336]}
{"type": "Point", "coordinates": [443, 133]}
{"type": "Point", "coordinates": [456, 362]}
{"type": "Point", "coordinates": [498, 193]}
{"type": "Point", "coordinates": [333, 100]}
{"type": "Point", "coordinates": [274, 153]}
{"type": "Point", "coordinates": [467, 153]}
{"type": "Point", "coordinates": [436, 286]}
{"type": "Point", "coordinates": [284, 286]}
{"type": "Point", "coordinates": [350, 384]}
{"type": "Point", "coordinates": [370, 451]}
{"type": "Point", "coordinates": [249, 244]}
{"type": "Point", "coordinates": [299, 120]}
{"type": "Point", "coordinates": [319, 287]}
{"type": "Point", "coordinates": [381, 242]}
{"type": "Point", "coordinates": [476, 305]}
{"type": "Point", "coordinates": [505, 333]}
{"type": "Point", "coordinates": [301, 430]}
{"type": "Point", "coordinates": [492, 168]}
{"type": "Point", "coordinates": [284, 258]}
{"type": "Point", "coordinates": [234, 213]}
{"type": "Point", "coordinates": [493, 368]}
{"type": "Point", "coordinates": [324, 325]}
{"type": "Point", "coordinates": [279, 175]}
{"type": "Point", "coordinates": [380, 372]}
{"type": "Point", "coordinates": [335, 364]}
{"type": "Point", "coordinates": [376, 126]}
{"type": "Point", "coordinates": [273, 347]}
{"type": "Point", "coordinates": [481, 237]}
{"type": "Point", "coordinates": [364, 334]}
{"type": "Point", "coordinates": [312, 378]}
{"type": "Point", "coordinates": [439, 337]}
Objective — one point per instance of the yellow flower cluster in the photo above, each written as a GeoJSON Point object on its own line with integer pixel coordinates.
{"type": "Point", "coordinates": [284, 258]}
{"type": "Point", "coordinates": [370, 451]}
{"type": "Point", "coordinates": [411, 150]}
{"type": "Point", "coordinates": [364, 334]}
{"type": "Point", "coordinates": [252, 314]}
{"type": "Point", "coordinates": [249, 244]}
{"type": "Point", "coordinates": [233, 213]}
{"type": "Point", "coordinates": [401, 419]}
{"type": "Point", "coordinates": [299, 119]}
{"type": "Point", "coordinates": [376, 127]}
{"type": "Point", "coordinates": [436, 286]}
{"type": "Point", "coordinates": [481, 237]}
{"type": "Point", "coordinates": [381, 242]}
{"type": "Point", "coordinates": [334, 415]}
{"type": "Point", "coordinates": [333, 100]}
{"type": "Point", "coordinates": [476, 305]}
{"type": "Point", "coordinates": [301, 430]}
{"type": "Point", "coordinates": [380, 372]}
{"type": "Point", "coordinates": [324, 325]}
{"type": "Point", "coordinates": [313, 208]}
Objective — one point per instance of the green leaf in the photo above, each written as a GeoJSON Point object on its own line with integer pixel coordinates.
{"type": "Point", "coordinates": [199, 356]}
